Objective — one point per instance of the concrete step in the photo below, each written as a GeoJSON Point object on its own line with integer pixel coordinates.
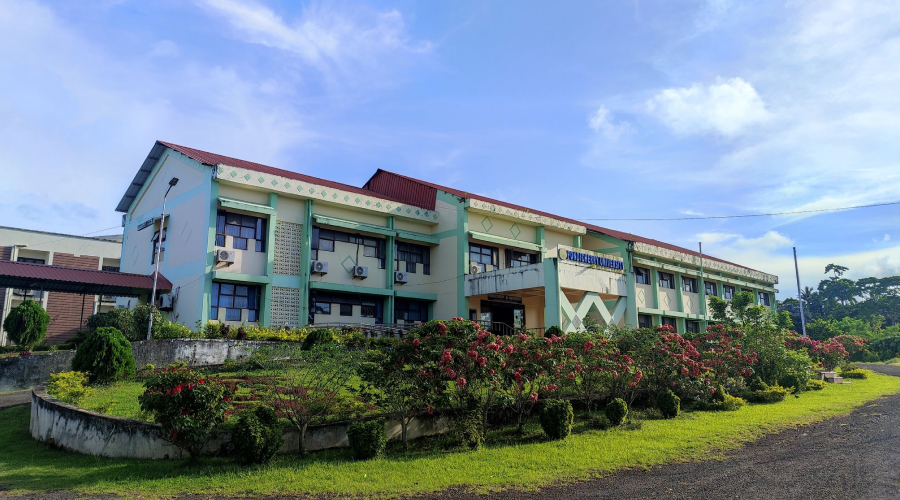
{"type": "Point", "coordinates": [835, 379]}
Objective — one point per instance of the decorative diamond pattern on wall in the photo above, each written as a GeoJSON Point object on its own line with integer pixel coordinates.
{"type": "Point", "coordinates": [287, 185]}
{"type": "Point", "coordinates": [274, 182]}
{"type": "Point", "coordinates": [665, 301]}
{"type": "Point", "coordinates": [288, 242]}
{"type": "Point", "coordinates": [641, 295]}
{"type": "Point", "coordinates": [515, 231]}
{"type": "Point", "coordinates": [487, 224]}
{"type": "Point", "coordinates": [233, 174]}
{"type": "Point", "coordinates": [285, 307]}
{"type": "Point", "coordinates": [247, 176]}
{"type": "Point", "coordinates": [688, 304]}
{"type": "Point", "coordinates": [261, 180]}
{"type": "Point", "coordinates": [348, 268]}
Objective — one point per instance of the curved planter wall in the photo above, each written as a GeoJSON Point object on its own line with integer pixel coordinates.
{"type": "Point", "coordinates": [25, 372]}
{"type": "Point", "coordinates": [76, 429]}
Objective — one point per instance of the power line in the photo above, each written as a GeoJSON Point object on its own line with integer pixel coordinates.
{"type": "Point", "coordinates": [755, 215]}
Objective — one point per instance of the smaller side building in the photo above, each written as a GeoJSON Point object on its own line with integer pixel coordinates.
{"type": "Point", "coordinates": [44, 248]}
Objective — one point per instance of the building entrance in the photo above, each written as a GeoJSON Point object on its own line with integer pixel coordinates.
{"type": "Point", "coordinates": [503, 317]}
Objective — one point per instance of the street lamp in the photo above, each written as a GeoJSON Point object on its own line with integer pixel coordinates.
{"type": "Point", "coordinates": [162, 229]}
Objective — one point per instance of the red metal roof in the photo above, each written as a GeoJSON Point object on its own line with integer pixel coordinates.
{"type": "Point", "coordinates": [75, 280]}
{"type": "Point", "coordinates": [395, 181]}
{"type": "Point", "coordinates": [213, 159]}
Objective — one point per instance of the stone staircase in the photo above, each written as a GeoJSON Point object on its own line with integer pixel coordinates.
{"type": "Point", "coordinates": [831, 377]}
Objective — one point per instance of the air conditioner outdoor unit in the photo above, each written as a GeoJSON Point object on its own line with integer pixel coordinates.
{"type": "Point", "coordinates": [400, 277]}
{"type": "Point", "coordinates": [319, 267]}
{"type": "Point", "coordinates": [165, 302]}
{"type": "Point", "coordinates": [361, 272]}
{"type": "Point", "coordinates": [474, 268]}
{"type": "Point", "coordinates": [225, 256]}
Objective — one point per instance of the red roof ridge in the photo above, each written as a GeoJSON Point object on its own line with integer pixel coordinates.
{"type": "Point", "coordinates": [599, 229]}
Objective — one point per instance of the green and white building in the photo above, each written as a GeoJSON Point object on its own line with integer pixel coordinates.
{"type": "Point", "coordinates": [248, 243]}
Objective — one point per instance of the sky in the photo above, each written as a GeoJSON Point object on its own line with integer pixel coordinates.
{"type": "Point", "coordinates": [591, 110]}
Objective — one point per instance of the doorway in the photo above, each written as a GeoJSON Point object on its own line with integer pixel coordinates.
{"type": "Point", "coordinates": [505, 318]}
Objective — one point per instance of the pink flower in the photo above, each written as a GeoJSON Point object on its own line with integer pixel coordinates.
{"type": "Point", "coordinates": [417, 342]}
{"type": "Point", "coordinates": [443, 328]}
{"type": "Point", "coordinates": [534, 397]}
{"type": "Point", "coordinates": [461, 382]}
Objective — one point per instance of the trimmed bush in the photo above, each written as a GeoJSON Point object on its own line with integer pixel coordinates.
{"type": "Point", "coordinates": [553, 330]}
{"type": "Point", "coordinates": [212, 330]}
{"type": "Point", "coordinates": [616, 411]}
{"type": "Point", "coordinates": [106, 355]}
{"type": "Point", "coordinates": [70, 387]}
{"type": "Point", "coordinates": [668, 404]}
{"type": "Point", "coordinates": [257, 437]}
{"type": "Point", "coordinates": [315, 337]}
{"type": "Point", "coordinates": [762, 393]}
{"type": "Point", "coordinates": [119, 318]}
{"type": "Point", "coordinates": [856, 373]}
{"type": "Point", "coordinates": [27, 324]}
{"type": "Point", "coordinates": [468, 430]}
{"type": "Point", "coordinates": [169, 330]}
{"type": "Point", "coordinates": [556, 418]}
{"type": "Point", "coordinates": [815, 385]}
{"type": "Point", "coordinates": [367, 439]}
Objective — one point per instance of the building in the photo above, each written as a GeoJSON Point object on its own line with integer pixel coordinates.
{"type": "Point", "coordinates": [249, 243]}
{"type": "Point", "coordinates": [66, 310]}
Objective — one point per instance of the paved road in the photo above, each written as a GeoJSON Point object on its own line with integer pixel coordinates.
{"type": "Point", "coordinates": [854, 456]}
{"type": "Point", "coordinates": [15, 399]}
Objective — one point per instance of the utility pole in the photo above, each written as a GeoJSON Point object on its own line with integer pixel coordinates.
{"type": "Point", "coordinates": [799, 294]}
{"type": "Point", "coordinates": [159, 241]}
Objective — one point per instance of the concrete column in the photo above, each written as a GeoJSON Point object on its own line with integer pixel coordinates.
{"type": "Point", "coordinates": [305, 262]}
{"type": "Point", "coordinates": [552, 310]}
{"type": "Point", "coordinates": [390, 265]}
{"type": "Point", "coordinates": [654, 279]}
{"type": "Point", "coordinates": [206, 289]}
{"type": "Point", "coordinates": [265, 310]}
{"type": "Point", "coordinates": [576, 241]}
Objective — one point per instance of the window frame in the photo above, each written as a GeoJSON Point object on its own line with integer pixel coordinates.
{"type": "Point", "coordinates": [238, 295]}
{"type": "Point", "coordinates": [687, 280]}
{"type": "Point", "coordinates": [689, 324]}
{"type": "Point", "coordinates": [715, 288]}
{"type": "Point", "coordinates": [404, 309]}
{"type": "Point", "coordinates": [642, 273]}
{"type": "Point", "coordinates": [764, 295]}
{"type": "Point", "coordinates": [241, 227]}
{"type": "Point", "coordinates": [674, 322]}
{"type": "Point", "coordinates": [162, 246]}
{"type": "Point", "coordinates": [649, 323]}
{"type": "Point", "coordinates": [484, 252]}
{"type": "Point", "coordinates": [725, 291]}
{"type": "Point", "coordinates": [670, 280]}
{"type": "Point", "coordinates": [412, 254]}
{"type": "Point", "coordinates": [516, 258]}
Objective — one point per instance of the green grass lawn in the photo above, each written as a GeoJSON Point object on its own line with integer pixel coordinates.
{"type": "Point", "coordinates": [28, 466]}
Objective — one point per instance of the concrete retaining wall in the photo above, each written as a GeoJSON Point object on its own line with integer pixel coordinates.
{"type": "Point", "coordinates": [76, 429]}
{"type": "Point", "coordinates": [25, 372]}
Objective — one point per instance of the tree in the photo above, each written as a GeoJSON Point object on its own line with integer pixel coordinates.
{"type": "Point", "coordinates": [27, 324]}
{"type": "Point", "coordinates": [836, 269]}
{"type": "Point", "coordinates": [304, 384]}
{"type": "Point", "coordinates": [396, 387]}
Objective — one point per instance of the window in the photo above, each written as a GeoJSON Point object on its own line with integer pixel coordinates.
{"type": "Point", "coordinates": [241, 228]}
{"type": "Point", "coordinates": [515, 258]}
{"type": "Point", "coordinates": [473, 315]}
{"type": "Point", "coordinates": [670, 322]}
{"type": "Point", "coordinates": [666, 280]}
{"type": "Point", "coordinates": [322, 302]}
{"type": "Point", "coordinates": [484, 256]}
{"type": "Point", "coordinates": [642, 276]}
{"type": "Point", "coordinates": [324, 239]}
{"type": "Point", "coordinates": [645, 321]}
{"type": "Point", "coordinates": [689, 284]}
{"type": "Point", "coordinates": [729, 291]}
{"type": "Point", "coordinates": [29, 294]}
{"type": "Point", "coordinates": [162, 247]}
{"type": "Point", "coordinates": [413, 254]}
{"type": "Point", "coordinates": [235, 299]}
{"type": "Point", "coordinates": [112, 269]}
{"type": "Point", "coordinates": [711, 288]}
{"type": "Point", "coordinates": [692, 326]}
{"type": "Point", "coordinates": [410, 310]}
{"type": "Point", "coordinates": [764, 299]}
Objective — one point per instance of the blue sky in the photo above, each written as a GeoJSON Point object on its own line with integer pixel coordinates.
{"type": "Point", "coordinates": [590, 110]}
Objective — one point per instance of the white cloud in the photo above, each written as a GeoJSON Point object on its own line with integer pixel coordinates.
{"type": "Point", "coordinates": [771, 240]}
{"type": "Point", "coordinates": [884, 239]}
{"type": "Point", "coordinates": [165, 48]}
{"type": "Point", "coordinates": [727, 107]}
{"type": "Point", "coordinates": [336, 40]}
{"type": "Point", "coordinates": [601, 122]}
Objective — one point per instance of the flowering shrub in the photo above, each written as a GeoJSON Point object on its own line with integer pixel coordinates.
{"type": "Point", "coordinates": [186, 406]}
{"type": "Point", "coordinates": [827, 353]}
{"type": "Point", "coordinates": [597, 369]}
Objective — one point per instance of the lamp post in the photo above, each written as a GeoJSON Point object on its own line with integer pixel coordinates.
{"type": "Point", "coordinates": [162, 229]}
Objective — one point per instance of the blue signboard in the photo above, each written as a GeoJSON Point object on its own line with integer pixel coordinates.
{"type": "Point", "coordinates": [592, 260]}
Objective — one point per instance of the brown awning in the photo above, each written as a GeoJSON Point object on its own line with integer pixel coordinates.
{"type": "Point", "coordinates": [81, 281]}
